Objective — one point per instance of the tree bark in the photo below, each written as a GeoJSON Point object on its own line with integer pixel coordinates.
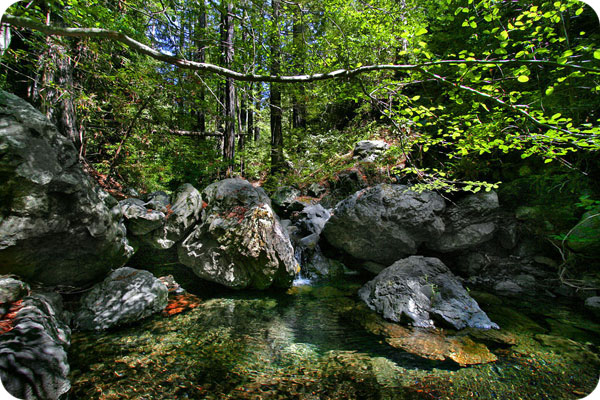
{"type": "Point", "coordinates": [298, 92]}
{"type": "Point", "coordinates": [200, 33]}
{"type": "Point", "coordinates": [56, 91]}
{"type": "Point", "coordinates": [275, 94]}
{"type": "Point", "coordinates": [229, 94]}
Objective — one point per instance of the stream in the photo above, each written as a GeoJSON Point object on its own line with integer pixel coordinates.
{"type": "Point", "coordinates": [318, 341]}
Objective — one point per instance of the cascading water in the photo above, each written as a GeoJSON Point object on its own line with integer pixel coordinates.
{"type": "Point", "coordinates": [300, 279]}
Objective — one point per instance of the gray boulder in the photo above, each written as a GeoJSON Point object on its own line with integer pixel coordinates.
{"type": "Point", "coordinates": [385, 223]}
{"type": "Point", "coordinates": [183, 214]}
{"type": "Point", "coordinates": [56, 226]}
{"type": "Point", "coordinates": [140, 219]}
{"type": "Point", "coordinates": [312, 219]}
{"type": "Point", "coordinates": [469, 223]}
{"type": "Point", "coordinates": [158, 201]}
{"type": "Point", "coordinates": [166, 228]}
{"type": "Point", "coordinates": [369, 150]}
{"type": "Point", "coordinates": [422, 290]}
{"type": "Point", "coordinates": [126, 295]}
{"type": "Point", "coordinates": [33, 352]}
{"type": "Point", "coordinates": [12, 290]}
{"type": "Point", "coordinates": [309, 224]}
{"type": "Point", "coordinates": [239, 241]}
{"type": "Point", "coordinates": [284, 200]}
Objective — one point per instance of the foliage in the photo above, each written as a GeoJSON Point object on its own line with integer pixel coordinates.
{"type": "Point", "coordinates": [491, 81]}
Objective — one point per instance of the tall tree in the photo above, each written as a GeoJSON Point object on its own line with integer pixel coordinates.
{"type": "Point", "coordinates": [275, 92]}
{"type": "Point", "coordinates": [227, 31]}
{"type": "Point", "coordinates": [299, 91]}
{"type": "Point", "coordinates": [200, 56]}
{"type": "Point", "coordinates": [54, 87]}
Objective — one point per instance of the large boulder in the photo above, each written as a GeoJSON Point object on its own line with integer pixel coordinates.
{"type": "Point", "coordinates": [56, 226]}
{"type": "Point", "coordinates": [385, 223]}
{"type": "Point", "coordinates": [182, 214]}
{"type": "Point", "coordinates": [468, 223]}
{"type": "Point", "coordinates": [309, 224]}
{"type": "Point", "coordinates": [160, 223]}
{"type": "Point", "coordinates": [312, 219]}
{"type": "Point", "coordinates": [239, 241]}
{"type": "Point", "coordinates": [126, 295]}
{"type": "Point", "coordinates": [140, 219]}
{"type": "Point", "coordinates": [421, 290]}
{"type": "Point", "coordinates": [34, 338]}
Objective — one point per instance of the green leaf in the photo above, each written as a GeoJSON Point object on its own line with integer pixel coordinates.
{"type": "Point", "coordinates": [523, 78]}
{"type": "Point", "coordinates": [597, 54]}
{"type": "Point", "coordinates": [549, 90]}
{"type": "Point", "coordinates": [421, 31]}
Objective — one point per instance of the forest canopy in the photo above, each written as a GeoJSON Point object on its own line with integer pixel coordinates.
{"type": "Point", "coordinates": [157, 93]}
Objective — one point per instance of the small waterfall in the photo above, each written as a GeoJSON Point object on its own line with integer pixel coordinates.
{"type": "Point", "coordinates": [300, 279]}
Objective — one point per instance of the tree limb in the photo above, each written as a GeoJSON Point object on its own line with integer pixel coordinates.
{"type": "Point", "coordinates": [179, 132]}
{"type": "Point", "coordinates": [340, 73]}
{"type": "Point", "coordinates": [99, 33]}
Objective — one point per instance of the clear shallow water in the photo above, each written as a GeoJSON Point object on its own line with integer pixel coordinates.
{"type": "Point", "coordinates": [321, 342]}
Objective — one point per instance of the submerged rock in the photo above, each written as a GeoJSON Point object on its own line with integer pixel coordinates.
{"type": "Point", "coordinates": [126, 295]}
{"type": "Point", "coordinates": [57, 226]}
{"type": "Point", "coordinates": [239, 241]}
{"type": "Point", "coordinates": [422, 289]}
{"type": "Point", "coordinates": [33, 357]}
{"type": "Point", "coordinates": [385, 223]}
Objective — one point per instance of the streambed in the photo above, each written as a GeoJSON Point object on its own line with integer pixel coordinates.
{"type": "Point", "coordinates": [319, 342]}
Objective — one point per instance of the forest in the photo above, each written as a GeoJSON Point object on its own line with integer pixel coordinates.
{"type": "Point", "coordinates": [282, 160]}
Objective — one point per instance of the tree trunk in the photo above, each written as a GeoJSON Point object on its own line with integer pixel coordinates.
{"type": "Point", "coordinates": [54, 88]}
{"type": "Point", "coordinates": [250, 120]}
{"type": "Point", "coordinates": [56, 91]}
{"type": "Point", "coordinates": [298, 92]}
{"type": "Point", "coordinates": [229, 94]}
{"type": "Point", "coordinates": [275, 95]}
{"type": "Point", "coordinates": [200, 115]}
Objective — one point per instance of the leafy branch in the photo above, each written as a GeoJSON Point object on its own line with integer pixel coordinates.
{"type": "Point", "coordinates": [137, 46]}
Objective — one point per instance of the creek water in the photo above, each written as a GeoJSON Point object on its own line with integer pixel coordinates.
{"type": "Point", "coordinates": [318, 341]}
